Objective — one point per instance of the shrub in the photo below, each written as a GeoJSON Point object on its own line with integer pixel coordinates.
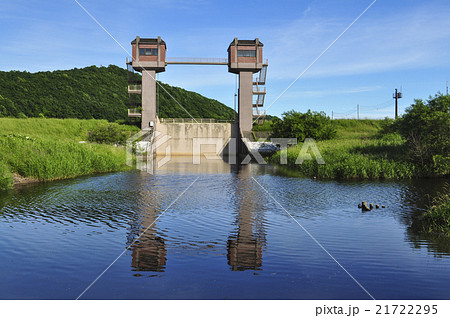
{"type": "Point", "coordinates": [267, 126]}
{"type": "Point", "coordinates": [426, 127]}
{"type": "Point", "coordinates": [108, 134]}
{"type": "Point", "coordinates": [387, 126]}
{"type": "Point", "coordinates": [298, 125]}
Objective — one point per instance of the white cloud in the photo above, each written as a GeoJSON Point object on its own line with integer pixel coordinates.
{"type": "Point", "coordinates": [335, 91]}
{"type": "Point", "coordinates": [307, 10]}
{"type": "Point", "coordinates": [408, 39]}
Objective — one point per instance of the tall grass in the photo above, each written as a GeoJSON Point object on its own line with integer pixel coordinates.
{"type": "Point", "coordinates": [437, 218]}
{"type": "Point", "coordinates": [49, 149]}
{"type": "Point", "coordinates": [358, 152]}
{"type": "Point", "coordinates": [6, 180]}
{"type": "Point", "coordinates": [353, 128]}
{"type": "Point", "coordinates": [51, 159]}
{"type": "Point", "coordinates": [69, 129]}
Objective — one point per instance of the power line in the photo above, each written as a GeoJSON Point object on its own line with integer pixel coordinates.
{"type": "Point", "coordinates": [349, 112]}
{"type": "Point", "coordinates": [361, 109]}
{"type": "Point", "coordinates": [385, 107]}
{"type": "Point", "coordinates": [376, 105]}
{"type": "Point", "coordinates": [346, 113]}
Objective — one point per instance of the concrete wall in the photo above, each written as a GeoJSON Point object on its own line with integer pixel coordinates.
{"type": "Point", "coordinates": [245, 102]}
{"type": "Point", "coordinates": [187, 138]}
{"type": "Point", "coordinates": [148, 97]}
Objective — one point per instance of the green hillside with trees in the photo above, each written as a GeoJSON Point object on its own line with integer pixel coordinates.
{"type": "Point", "coordinates": [92, 92]}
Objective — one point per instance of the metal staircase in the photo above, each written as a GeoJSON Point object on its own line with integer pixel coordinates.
{"type": "Point", "coordinates": [134, 92]}
{"type": "Point", "coordinates": [259, 93]}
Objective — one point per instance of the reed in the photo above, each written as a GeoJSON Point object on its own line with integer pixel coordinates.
{"type": "Point", "coordinates": [437, 218]}
{"type": "Point", "coordinates": [6, 180]}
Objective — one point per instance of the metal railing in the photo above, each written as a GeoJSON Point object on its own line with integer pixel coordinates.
{"type": "Point", "coordinates": [195, 121]}
{"type": "Point", "coordinates": [258, 101]}
{"type": "Point", "coordinates": [135, 88]}
{"type": "Point", "coordinates": [257, 113]}
{"type": "Point", "coordinates": [197, 60]}
{"type": "Point", "coordinates": [134, 112]}
{"type": "Point", "coordinates": [258, 91]}
{"type": "Point", "coordinates": [261, 78]}
{"type": "Point", "coordinates": [204, 60]}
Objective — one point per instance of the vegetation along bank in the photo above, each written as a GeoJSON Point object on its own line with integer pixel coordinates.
{"type": "Point", "coordinates": [412, 146]}
{"type": "Point", "coordinates": [415, 145]}
{"type": "Point", "coordinates": [42, 149]}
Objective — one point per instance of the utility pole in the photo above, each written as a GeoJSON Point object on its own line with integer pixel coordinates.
{"type": "Point", "coordinates": [332, 114]}
{"type": "Point", "coordinates": [397, 95]}
{"type": "Point", "coordinates": [357, 110]}
{"type": "Point", "coordinates": [447, 88]}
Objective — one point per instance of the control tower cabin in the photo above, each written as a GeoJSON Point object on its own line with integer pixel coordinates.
{"type": "Point", "coordinates": [149, 57]}
{"type": "Point", "coordinates": [245, 57]}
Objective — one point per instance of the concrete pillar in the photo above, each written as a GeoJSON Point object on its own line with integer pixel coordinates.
{"type": "Point", "coordinates": [148, 97]}
{"type": "Point", "coordinates": [245, 100]}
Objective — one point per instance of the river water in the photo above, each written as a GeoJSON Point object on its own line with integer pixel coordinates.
{"type": "Point", "coordinates": [217, 231]}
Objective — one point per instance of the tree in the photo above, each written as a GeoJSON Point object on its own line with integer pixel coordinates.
{"type": "Point", "coordinates": [316, 125]}
{"type": "Point", "coordinates": [93, 92]}
{"type": "Point", "coordinates": [6, 107]}
{"type": "Point", "coordinates": [426, 127]}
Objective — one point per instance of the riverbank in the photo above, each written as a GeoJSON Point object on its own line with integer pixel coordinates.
{"type": "Point", "coordinates": [437, 217]}
{"type": "Point", "coordinates": [39, 149]}
{"type": "Point", "coordinates": [358, 151]}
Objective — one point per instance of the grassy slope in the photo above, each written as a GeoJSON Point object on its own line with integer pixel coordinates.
{"type": "Point", "coordinates": [48, 149]}
{"type": "Point", "coordinates": [358, 152]}
{"type": "Point", "coordinates": [64, 129]}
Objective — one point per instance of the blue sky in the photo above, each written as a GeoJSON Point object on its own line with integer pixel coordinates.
{"type": "Point", "coordinates": [402, 43]}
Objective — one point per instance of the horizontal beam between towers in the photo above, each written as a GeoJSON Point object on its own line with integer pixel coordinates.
{"type": "Point", "coordinates": [197, 61]}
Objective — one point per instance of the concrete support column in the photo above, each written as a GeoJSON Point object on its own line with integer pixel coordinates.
{"type": "Point", "coordinates": [148, 97]}
{"type": "Point", "coordinates": [245, 100]}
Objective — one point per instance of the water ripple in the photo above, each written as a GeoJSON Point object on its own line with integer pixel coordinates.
{"type": "Point", "coordinates": [224, 234]}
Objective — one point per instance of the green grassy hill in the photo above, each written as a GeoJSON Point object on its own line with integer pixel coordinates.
{"type": "Point", "coordinates": [92, 93]}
